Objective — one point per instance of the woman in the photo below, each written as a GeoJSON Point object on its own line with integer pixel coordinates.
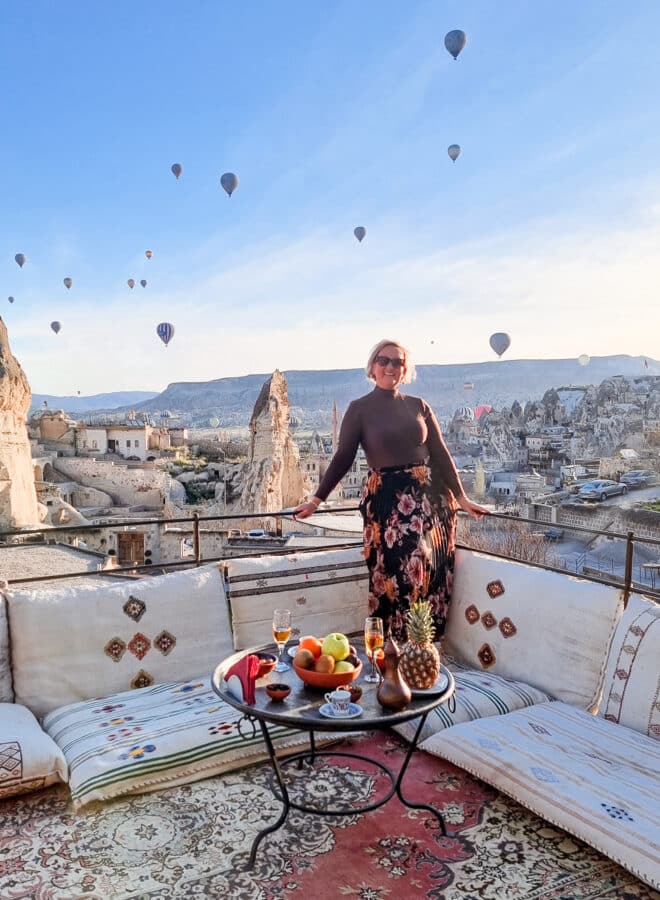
{"type": "Point", "coordinates": [410, 497]}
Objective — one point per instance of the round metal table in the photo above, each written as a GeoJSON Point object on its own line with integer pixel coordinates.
{"type": "Point", "coordinates": [300, 710]}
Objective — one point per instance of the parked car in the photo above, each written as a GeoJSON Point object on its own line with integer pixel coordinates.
{"type": "Point", "coordinates": [553, 534]}
{"type": "Point", "coordinates": [638, 478]}
{"type": "Point", "coordinates": [256, 533]}
{"type": "Point", "coordinates": [601, 489]}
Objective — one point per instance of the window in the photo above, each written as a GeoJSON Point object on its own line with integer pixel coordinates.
{"type": "Point", "coordinates": [136, 443]}
{"type": "Point", "coordinates": [128, 443]}
{"type": "Point", "coordinates": [95, 445]}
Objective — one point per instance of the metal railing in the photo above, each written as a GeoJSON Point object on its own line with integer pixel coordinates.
{"type": "Point", "coordinates": [23, 536]}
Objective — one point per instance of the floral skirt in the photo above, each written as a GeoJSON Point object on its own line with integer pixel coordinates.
{"type": "Point", "coordinates": [409, 537]}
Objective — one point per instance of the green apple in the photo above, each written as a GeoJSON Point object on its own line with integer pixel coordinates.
{"type": "Point", "coordinates": [343, 666]}
{"type": "Point", "coordinates": [336, 645]}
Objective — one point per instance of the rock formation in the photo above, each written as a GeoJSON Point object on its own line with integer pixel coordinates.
{"type": "Point", "coordinates": [18, 497]}
{"type": "Point", "coordinates": [273, 478]}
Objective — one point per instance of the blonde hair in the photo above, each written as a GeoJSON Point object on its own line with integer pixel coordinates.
{"type": "Point", "coordinates": [410, 372]}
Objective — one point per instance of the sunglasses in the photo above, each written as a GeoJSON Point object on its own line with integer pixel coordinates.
{"type": "Point", "coordinates": [387, 360]}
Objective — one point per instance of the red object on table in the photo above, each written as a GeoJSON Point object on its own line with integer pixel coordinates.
{"type": "Point", "coordinates": [240, 678]}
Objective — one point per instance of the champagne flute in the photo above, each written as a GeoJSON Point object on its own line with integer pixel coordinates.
{"type": "Point", "coordinates": [281, 634]}
{"type": "Point", "coordinates": [373, 641]}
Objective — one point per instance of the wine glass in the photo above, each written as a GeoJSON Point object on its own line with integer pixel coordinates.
{"type": "Point", "coordinates": [281, 634]}
{"type": "Point", "coordinates": [373, 641]}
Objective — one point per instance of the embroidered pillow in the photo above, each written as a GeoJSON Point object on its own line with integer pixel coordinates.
{"type": "Point", "coordinates": [29, 759]}
{"type": "Point", "coordinates": [325, 592]}
{"type": "Point", "coordinates": [76, 643]}
{"type": "Point", "coordinates": [6, 687]}
{"type": "Point", "coordinates": [160, 736]}
{"type": "Point", "coordinates": [631, 687]}
{"type": "Point", "coordinates": [543, 628]}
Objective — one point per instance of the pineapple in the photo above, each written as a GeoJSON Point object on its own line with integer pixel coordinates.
{"type": "Point", "coordinates": [420, 660]}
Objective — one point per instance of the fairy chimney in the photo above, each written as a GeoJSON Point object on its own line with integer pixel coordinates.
{"type": "Point", "coordinates": [18, 496]}
{"type": "Point", "coordinates": [273, 478]}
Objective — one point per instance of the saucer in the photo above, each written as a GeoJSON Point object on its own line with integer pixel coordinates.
{"type": "Point", "coordinates": [353, 711]}
{"type": "Point", "coordinates": [292, 651]}
{"type": "Point", "coordinates": [441, 684]}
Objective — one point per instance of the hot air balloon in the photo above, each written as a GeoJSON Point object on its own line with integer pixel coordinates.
{"type": "Point", "coordinates": [454, 152]}
{"type": "Point", "coordinates": [143, 282]}
{"type": "Point", "coordinates": [20, 259]}
{"type": "Point", "coordinates": [500, 342]}
{"type": "Point", "coordinates": [583, 359]}
{"type": "Point", "coordinates": [481, 409]}
{"type": "Point", "coordinates": [455, 41]}
{"type": "Point", "coordinates": [468, 386]}
{"type": "Point", "coordinates": [11, 299]}
{"type": "Point", "coordinates": [360, 232]}
{"type": "Point", "coordinates": [214, 422]}
{"type": "Point", "coordinates": [177, 169]}
{"type": "Point", "coordinates": [131, 283]}
{"type": "Point", "coordinates": [165, 331]}
{"type": "Point", "coordinates": [67, 283]}
{"type": "Point", "coordinates": [229, 181]}
{"type": "Point", "coordinates": [55, 326]}
{"type": "Point", "coordinates": [148, 254]}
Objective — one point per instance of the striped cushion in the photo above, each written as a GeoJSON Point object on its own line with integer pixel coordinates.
{"type": "Point", "coordinates": [29, 759]}
{"type": "Point", "coordinates": [145, 739]}
{"type": "Point", "coordinates": [631, 687]}
{"type": "Point", "coordinates": [477, 694]}
{"type": "Point", "coordinates": [325, 591]}
{"type": "Point", "coordinates": [596, 780]}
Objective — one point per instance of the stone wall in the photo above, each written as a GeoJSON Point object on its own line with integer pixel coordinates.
{"type": "Point", "coordinates": [643, 523]}
{"type": "Point", "coordinates": [18, 496]}
{"type": "Point", "coordinates": [127, 486]}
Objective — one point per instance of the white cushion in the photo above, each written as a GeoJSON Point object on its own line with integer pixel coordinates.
{"type": "Point", "coordinates": [596, 780]}
{"type": "Point", "coordinates": [76, 643]}
{"type": "Point", "coordinates": [543, 628]}
{"type": "Point", "coordinates": [6, 687]}
{"type": "Point", "coordinates": [29, 759]}
{"type": "Point", "coordinates": [139, 741]}
{"type": "Point", "coordinates": [325, 592]}
{"type": "Point", "coordinates": [477, 694]}
{"type": "Point", "coordinates": [631, 687]}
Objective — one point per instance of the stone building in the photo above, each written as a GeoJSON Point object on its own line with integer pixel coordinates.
{"type": "Point", "coordinates": [18, 497]}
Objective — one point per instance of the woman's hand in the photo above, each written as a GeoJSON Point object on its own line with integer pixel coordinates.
{"type": "Point", "coordinates": [474, 510]}
{"type": "Point", "coordinates": [304, 510]}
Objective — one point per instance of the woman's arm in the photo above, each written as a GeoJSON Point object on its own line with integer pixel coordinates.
{"type": "Point", "coordinates": [349, 440]}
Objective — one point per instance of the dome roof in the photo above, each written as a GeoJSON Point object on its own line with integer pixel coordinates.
{"type": "Point", "coordinates": [464, 412]}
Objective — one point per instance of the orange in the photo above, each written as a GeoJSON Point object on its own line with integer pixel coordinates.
{"type": "Point", "coordinates": [314, 645]}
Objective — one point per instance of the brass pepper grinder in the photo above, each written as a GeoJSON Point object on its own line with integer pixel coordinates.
{"type": "Point", "coordinates": [393, 692]}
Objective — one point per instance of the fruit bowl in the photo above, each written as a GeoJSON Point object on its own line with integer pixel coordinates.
{"type": "Point", "coordinates": [326, 679]}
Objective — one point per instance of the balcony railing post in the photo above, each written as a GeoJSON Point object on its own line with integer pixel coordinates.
{"type": "Point", "coordinates": [630, 552]}
{"type": "Point", "coordinates": [196, 548]}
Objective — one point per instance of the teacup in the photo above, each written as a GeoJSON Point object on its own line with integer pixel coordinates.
{"type": "Point", "coordinates": [340, 701]}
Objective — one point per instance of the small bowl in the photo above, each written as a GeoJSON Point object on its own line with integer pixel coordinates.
{"type": "Point", "coordinates": [267, 662]}
{"type": "Point", "coordinates": [356, 692]}
{"type": "Point", "coordinates": [278, 692]}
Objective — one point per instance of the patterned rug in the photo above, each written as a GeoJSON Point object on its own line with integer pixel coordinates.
{"type": "Point", "coordinates": [193, 841]}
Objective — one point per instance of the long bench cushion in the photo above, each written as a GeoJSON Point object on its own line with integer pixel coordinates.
{"type": "Point", "coordinates": [528, 624]}
{"type": "Point", "coordinates": [29, 759]}
{"type": "Point", "coordinates": [325, 592]}
{"type": "Point", "coordinates": [160, 736]}
{"type": "Point", "coordinates": [596, 780]}
{"type": "Point", "coordinates": [631, 687]}
{"type": "Point", "coordinates": [477, 694]}
{"type": "Point", "coordinates": [6, 686]}
{"type": "Point", "coordinates": [77, 643]}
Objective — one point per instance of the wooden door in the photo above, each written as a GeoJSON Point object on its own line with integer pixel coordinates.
{"type": "Point", "coordinates": [130, 548]}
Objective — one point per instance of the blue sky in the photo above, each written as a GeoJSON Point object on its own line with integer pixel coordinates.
{"type": "Point", "coordinates": [333, 115]}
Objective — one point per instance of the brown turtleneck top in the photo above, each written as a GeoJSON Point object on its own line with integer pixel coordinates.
{"type": "Point", "coordinates": [394, 430]}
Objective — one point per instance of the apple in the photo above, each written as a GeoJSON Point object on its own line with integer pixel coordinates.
{"type": "Point", "coordinates": [354, 659]}
{"type": "Point", "coordinates": [336, 645]}
{"type": "Point", "coordinates": [343, 666]}
{"type": "Point", "coordinates": [352, 650]}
